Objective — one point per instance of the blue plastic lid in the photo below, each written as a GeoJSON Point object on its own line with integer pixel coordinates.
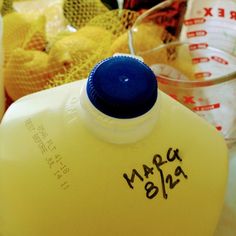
{"type": "Point", "coordinates": [122, 87]}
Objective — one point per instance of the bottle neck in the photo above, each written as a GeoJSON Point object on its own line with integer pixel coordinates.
{"type": "Point", "coordinates": [115, 130]}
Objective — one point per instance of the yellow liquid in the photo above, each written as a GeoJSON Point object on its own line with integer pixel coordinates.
{"type": "Point", "coordinates": [58, 178]}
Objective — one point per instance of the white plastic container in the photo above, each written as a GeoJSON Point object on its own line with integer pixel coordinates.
{"type": "Point", "coordinates": [111, 155]}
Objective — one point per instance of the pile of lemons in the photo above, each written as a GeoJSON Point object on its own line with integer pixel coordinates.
{"type": "Point", "coordinates": [45, 45]}
{"type": "Point", "coordinates": [49, 43]}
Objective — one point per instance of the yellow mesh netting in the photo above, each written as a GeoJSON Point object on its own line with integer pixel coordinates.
{"type": "Point", "coordinates": [27, 33]}
{"type": "Point", "coordinates": [25, 72]}
{"type": "Point", "coordinates": [115, 21]}
{"type": "Point", "coordinates": [79, 12]}
{"type": "Point", "coordinates": [104, 30]}
{"type": "Point", "coordinates": [49, 43]}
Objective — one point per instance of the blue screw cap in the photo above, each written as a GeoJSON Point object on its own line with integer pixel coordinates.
{"type": "Point", "coordinates": [122, 87]}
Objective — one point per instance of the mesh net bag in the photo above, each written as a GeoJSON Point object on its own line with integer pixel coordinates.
{"type": "Point", "coordinates": [105, 29]}
{"type": "Point", "coordinates": [49, 43]}
{"type": "Point", "coordinates": [79, 12]}
{"type": "Point", "coordinates": [115, 21]}
{"type": "Point", "coordinates": [24, 41]}
{"type": "Point", "coordinates": [26, 72]}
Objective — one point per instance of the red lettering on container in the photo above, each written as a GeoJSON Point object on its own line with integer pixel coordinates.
{"type": "Point", "coordinates": [221, 12]}
{"type": "Point", "coordinates": [188, 99]}
{"type": "Point", "coordinates": [207, 107]}
{"type": "Point", "coordinates": [220, 60]}
{"type": "Point", "coordinates": [202, 75]}
{"type": "Point", "coordinates": [174, 96]}
{"type": "Point", "coordinates": [233, 15]}
{"type": "Point", "coordinates": [208, 11]}
{"type": "Point", "coordinates": [194, 21]}
{"type": "Point", "coordinates": [200, 60]}
{"type": "Point", "coordinates": [197, 33]}
{"type": "Point", "coordinates": [196, 46]}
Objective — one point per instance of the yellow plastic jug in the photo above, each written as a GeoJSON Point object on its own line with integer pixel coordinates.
{"type": "Point", "coordinates": [110, 155]}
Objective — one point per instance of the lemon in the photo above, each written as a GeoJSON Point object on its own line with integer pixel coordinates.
{"type": "Point", "coordinates": [183, 62]}
{"type": "Point", "coordinates": [98, 34]}
{"type": "Point", "coordinates": [147, 36]}
{"type": "Point", "coordinates": [24, 31]}
{"type": "Point", "coordinates": [15, 26]}
{"type": "Point", "coordinates": [120, 45]}
{"type": "Point", "coordinates": [71, 49]}
{"type": "Point", "coordinates": [74, 55]}
{"type": "Point", "coordinates": [35, 39]}
{"type": "Point", "coordinates": [26, 72]}
{"type": "Point", "coordinates": [144, 38]}
{"type": "Point", "coordinates": [79, 47]}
